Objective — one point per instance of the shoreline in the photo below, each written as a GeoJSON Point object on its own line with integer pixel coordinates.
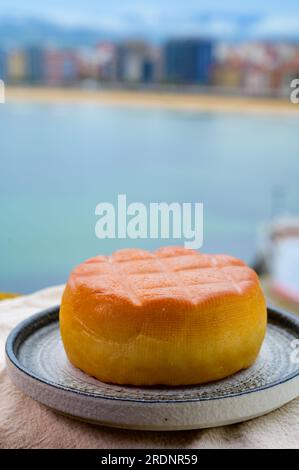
{"type": "Point", "coordinates": [151, 99]}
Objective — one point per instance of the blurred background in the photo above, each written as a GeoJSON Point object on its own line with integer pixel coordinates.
{"type": "Point", "coordinates": [249, 48]}
{"type": "Point", "coordinates": [163, 101]}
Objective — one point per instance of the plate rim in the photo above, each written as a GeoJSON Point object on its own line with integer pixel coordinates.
{"type": "Point", "coordinates": [32, 324]}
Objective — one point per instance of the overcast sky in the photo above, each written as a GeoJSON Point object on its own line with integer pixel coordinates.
{"type": "Point", "coordinates": [217, 17]}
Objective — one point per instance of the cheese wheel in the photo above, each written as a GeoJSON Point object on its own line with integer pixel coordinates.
{"type": "Point", "coordinates": [172, 317]}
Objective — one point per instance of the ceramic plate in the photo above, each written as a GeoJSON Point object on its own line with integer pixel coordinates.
{"type": "Point", "coordinates": [37, 365]}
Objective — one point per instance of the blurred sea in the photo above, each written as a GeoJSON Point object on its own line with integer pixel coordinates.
{"type": "Point", "coordinates": [58, 161]}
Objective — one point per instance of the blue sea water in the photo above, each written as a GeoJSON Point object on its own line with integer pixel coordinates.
{"type": "Point", "coordinates": [58, 161]}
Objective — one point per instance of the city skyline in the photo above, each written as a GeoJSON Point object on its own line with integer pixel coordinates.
{"type": "Point", "coordinates": [157, 20]}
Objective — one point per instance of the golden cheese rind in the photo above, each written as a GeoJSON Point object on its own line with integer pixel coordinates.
{"type": "Point", "coordinates": [173, 317]}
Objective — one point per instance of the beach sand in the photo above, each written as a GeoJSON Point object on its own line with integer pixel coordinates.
{"type": "Point", "coordinates": [151, 99]}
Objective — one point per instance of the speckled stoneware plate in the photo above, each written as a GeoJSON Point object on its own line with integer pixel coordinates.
{"type": "Point", "coordinates": [37, 364]}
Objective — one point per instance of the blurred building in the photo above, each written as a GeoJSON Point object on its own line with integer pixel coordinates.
{"type": "Point", "coordinates": [53, 72]}
{"type": "Point", "coordinates": [256, 68]}
{"type": "Point", "coordinates": [135, 62]}
{"type": "Point", "coordinates": [61, 67]}
{"type": "Point", "coordinates": [188, 61]}
{"type": "Point", "coordinates": [251, 68]}
{"type": "Point", "coordinates": [35, 64]}
{"type": "Point", "coordinates": [70, 66]}
{"type": "Point", "coordinates": [106, 61]}
{"type": "Point", "coordinates": [3, 65]}
{"type": "Point", "coordinates": [16, 66]}
{"type": "Point", "coordinates": [256, 80]}
{"type": "Point", "coordinates": [227, 77]}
